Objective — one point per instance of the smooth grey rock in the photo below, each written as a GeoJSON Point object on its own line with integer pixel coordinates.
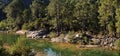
{"type": "Point", "coordinates": [21, 32]}
{"type": "Point", "coordinates": [55, 39]}
{"type": "Point", "coordinates": [36, 34]}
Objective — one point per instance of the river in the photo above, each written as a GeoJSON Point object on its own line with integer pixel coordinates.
{"type": "Point", "coordinates": [56, 49]}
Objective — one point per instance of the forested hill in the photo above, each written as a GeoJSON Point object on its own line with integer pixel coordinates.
{"type": "Point", "coordinates": [26, 2]}
{"type": "Point", "coordinates": [97, 16]}
{"type": "Point", "coordinates": [4, 3]}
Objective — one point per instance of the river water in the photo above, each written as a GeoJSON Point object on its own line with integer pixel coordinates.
{"type": "Point", "coordinates": [48, 51]}
{"type": "Point", "coordinates": [10, 39]}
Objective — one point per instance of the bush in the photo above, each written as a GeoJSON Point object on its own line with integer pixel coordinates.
{"type": "Point", "coordinates": [52, 34]}
{"type": "Point", "coordinates": [117, 43]}
{"type": "Point", "coordinates": [25, 26]}
{"type": "Point", "coordinates": [3, 52]}
{"type": "Point", "coordinates": [85, 39]}
{"type": "Point", "coordinates": [71, 34]}
{"type": "Point", "coordinates": [19, 47]}
{"type": "Point", "coordinates": [3, 25]}
{"type": "Point", "coordinates": [72, 38]}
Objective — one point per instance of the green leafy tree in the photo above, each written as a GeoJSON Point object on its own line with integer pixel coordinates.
{"type": "Point", "coordinates": [52, 11]}
{"type": "Point", "coordinates": [27, 15]}
{"type": "Point", "coordinates": [14, 14]}
{"type": "Point", "coordinates": [117, 18]}
{"type": "Point", "coordinates": [14, 9]}
{"type": "Point", "coordinates": [86, 15]}
{"type": "Point", "coordinates": [107, 16]}
{"type": "Point", "coordinates": [2, 4]}
{"type": "Point", "coordinates": [61, 14]}
{"type": "Point", "coordinates": [37, 9]}
{"type": "Point", "coordinates": [67, 11]}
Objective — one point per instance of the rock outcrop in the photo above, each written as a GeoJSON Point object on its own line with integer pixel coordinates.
{"type": "Point", "coordinates": [21, 32]}
{"type": "Point", "coordinates": [36, 34]}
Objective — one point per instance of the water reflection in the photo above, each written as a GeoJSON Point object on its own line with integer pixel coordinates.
{"type": "Point", "coordinates": [50, 52]}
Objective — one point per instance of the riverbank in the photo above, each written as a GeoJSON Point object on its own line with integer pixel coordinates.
{"type": "Point", "coordinates": [86, 40]}
{"type": "Point", "coordinates": [63, 49]}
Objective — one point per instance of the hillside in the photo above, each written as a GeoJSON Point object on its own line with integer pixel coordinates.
{"type": "Point", "coordinates": [4, 3]}
{"type": "Point", "coordinates": [96, 16]}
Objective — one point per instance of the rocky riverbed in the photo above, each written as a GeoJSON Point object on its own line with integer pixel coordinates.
{"type": "Point", "coordinates": [93, 40]}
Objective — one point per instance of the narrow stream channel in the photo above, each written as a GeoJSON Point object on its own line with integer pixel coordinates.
{"type": "Point", "coordinates": [50, 52]}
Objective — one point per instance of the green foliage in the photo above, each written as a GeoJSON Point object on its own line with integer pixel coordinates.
{"type": "Point", "coordinates": [71, 34]}
{"type": "Point", "coordinates": [86, 15]}
{"type": "Point", "coordinates": [52, 35]}
{"type": "Point", "coordinates": [118, 21]}
{"type": "Point", "coordinates": [107, 16]}
{"type": "Point", "coordinates": [2, 4]}
{"type": "Point", "coordinates": [26, 26]}
{"type": "Point", "coordinates": [117, 43]}
{"type": "Point", "coordinates": [26, 15]}
{"type": "Point", "coordinates": [37, 9]}
{"type": "Point", "coordinates": [85, 40]}
{"type": "Point", "coordinates": [52, 7]}
{"type": "Point", "coordinates": [14, 15]}
{"type": "Point", "coordinates": [63, 15]}
{"type": "Point", "coordinates": [1, 42]}
{"type": "Point", "coordinates": [14, 9]}
{"type": "Point", "coordinates": [98, 52]}
{"type": "Point", "coordinates": [3, 52]}
{"type": "Point", "coordinates": [19, 47]}
{"type": "Point", "coordinates": [2, 25]}
{"type": "Point", "coordinates": [63, 49]}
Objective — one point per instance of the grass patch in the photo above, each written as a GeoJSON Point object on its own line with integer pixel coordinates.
{"type": "Point", "coordinates": [9, 38]}
{"type": "Point", "coordinates": [98, 52]}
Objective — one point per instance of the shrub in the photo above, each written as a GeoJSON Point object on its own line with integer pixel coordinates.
{"type": "Point", "coordinates": [71, 34]}
{"type": "Point", "coordinates": [3, 52]}
{"type": "Point", "coordinates": [19, 47]}
{"type": "Point", "coordinates": [25, 26]}
{"type": "Point", "coordinates": [52, 34]}
{"type": "Point", "coordinates": [3, 25]}
{"type": "Point", "coordinates": [85, 40]}
{"type": "Point", "coordinates": [117, 43]}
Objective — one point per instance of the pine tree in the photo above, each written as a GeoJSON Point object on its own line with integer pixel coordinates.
{"type": "Point", "coordinates": [14, 9]}
{"type": "Point", "coordinates": [37, 9]}
{"type": "Point", "coordinates": [86, 15]}
{"type": "Point", "coordinates": [107, 16]}
{"type": "Point", "coordinates": [117, 18]}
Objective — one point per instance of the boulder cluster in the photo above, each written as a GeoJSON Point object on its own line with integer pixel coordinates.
{"type": "Point", "coordinates": [85, 39]}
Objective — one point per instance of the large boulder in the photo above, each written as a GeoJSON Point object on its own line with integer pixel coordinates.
{"type": "Point", "coordinates": [96, 41]}
{"type": "Point", "coordinates": [57, 39]}
{"type": "Point", "coordinates": [107, 41]}
{"type": "Point", "coordinates": [21, 32]}
{"type": "Point", "coordinates": [33, 34]}
{"type": "Point", "coordinates": [36, 34]}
